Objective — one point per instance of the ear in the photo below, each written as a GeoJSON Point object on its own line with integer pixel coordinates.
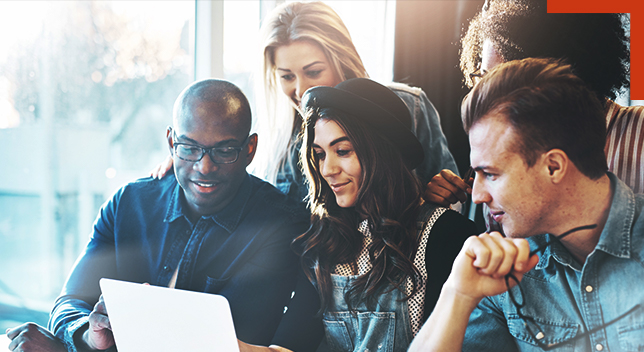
{"type": "Point", "coordinates": [168, 136]}
{"type": "Point", "coordinates": [252, 148]}
{"type": "Point", "coordinates": [557, 162]}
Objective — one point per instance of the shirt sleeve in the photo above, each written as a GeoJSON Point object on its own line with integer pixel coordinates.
{"type": "Point", "coordinates": [487, 329]}
{"type": "Point", "coordinates": [301, 326]}
{"type": "Point", "coordinates": [443, 245]}
{"type": "Point", "coordinates": [81, 290]}
{"type": "Point", "coordinates": [427, 128]}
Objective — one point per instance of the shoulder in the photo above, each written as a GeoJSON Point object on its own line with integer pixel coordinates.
{"type": "Point", "coordinates": [148, 187]}
{"type": "Point", "coordinates": [404, 89]}
{"type": "Point", "coordinates": [271, 200]}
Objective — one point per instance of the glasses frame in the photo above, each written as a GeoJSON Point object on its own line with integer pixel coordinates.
{"type": "Point", "coordinates": [209, 151]}
{"type": "Point", "coordinates": [520, 305]}
{"type": "Point", "coordinates": [477, 75]}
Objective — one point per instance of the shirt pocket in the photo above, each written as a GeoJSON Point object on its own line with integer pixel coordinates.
{"type": "Point", "coordinates": [630, 332]}
{"type": "Point", "coordinates": [360, 331]}
{"type": "Point", "coordinates": [548, 332]}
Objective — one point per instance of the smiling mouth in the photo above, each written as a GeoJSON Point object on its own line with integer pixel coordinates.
{"type": "Point", "coordinates": [336, 187]}
{"type": "Point", "coordinates": [205, 187]}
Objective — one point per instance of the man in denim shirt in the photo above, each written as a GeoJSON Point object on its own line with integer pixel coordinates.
{"type": "Point", "coordinates": [207, 227]}
{"type": "Point", "coordinates": [537, 137]}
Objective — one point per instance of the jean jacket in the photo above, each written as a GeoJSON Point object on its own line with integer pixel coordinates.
{"type": "Point", "coordinates": [566, 299]}
{"type": "Point", "coordinates": [241, 252]}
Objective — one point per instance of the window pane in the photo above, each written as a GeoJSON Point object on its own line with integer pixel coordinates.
{"type": "Point", "coordinates": [86, 93]}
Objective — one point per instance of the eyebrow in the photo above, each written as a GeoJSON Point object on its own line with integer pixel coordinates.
{"type": "Point", "coordinates": [333, 142]}
{"type": "Point", "coordinates": [304, 68]}
{"type": "Point", "coordinates": [189, 140]}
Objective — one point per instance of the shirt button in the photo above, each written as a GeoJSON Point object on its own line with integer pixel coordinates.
{"type": "Point", "coordinates": [599, 347]}
{"type": "Point", "coordinates": [589, 289]}
{"type": "Point", "coordinates": [166, 268]}
{"type": "Point", "coordinates": [540, 335]}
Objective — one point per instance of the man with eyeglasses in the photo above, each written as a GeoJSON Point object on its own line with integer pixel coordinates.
{"type": "Point", "coordinates": [537, 136]}
{"type": "Point", "coordinates": [208, 227]}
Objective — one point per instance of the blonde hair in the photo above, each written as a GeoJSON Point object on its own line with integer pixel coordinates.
{"type": "Point", "coordinates": [316, 23]}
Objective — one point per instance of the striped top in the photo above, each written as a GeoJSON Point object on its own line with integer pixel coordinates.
{"type": "Point", "coordinates": [625, 144]}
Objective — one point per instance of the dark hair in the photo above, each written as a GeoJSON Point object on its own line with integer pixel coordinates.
{"type": "Point", "coordinates": [548, 107]}
{"type": "Point", "coordinates": [596, 45]}
{"type": "Point", "coordinates": [389, 197]}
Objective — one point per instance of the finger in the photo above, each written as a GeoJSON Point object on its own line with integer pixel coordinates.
{"type": "Point", "coordinates": [12, 333]}
{"type": "Point", "coordinates": [100, 306]}
{"type": "Point", "coordinates": [510, 252]}
{"type": "Point", "coordinates": [98, 321]}
{"type": "Point", "coordinates": [438, 198]}
{"type": "Point", "coordinates": [493, 255]}
{"type": "Point", "coordinates": [523, 254]}
{"type": "Point", "coordinates": [453, 179]}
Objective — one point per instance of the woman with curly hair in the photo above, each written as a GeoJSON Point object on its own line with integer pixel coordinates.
{"type": "Point", "coordinates": [376, 253]}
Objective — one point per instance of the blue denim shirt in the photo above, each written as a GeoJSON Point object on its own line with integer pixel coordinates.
{"type": "Point", "coordinates": [425, 125]}
{"type": "Point", "coordinates": [241, 252]}
{"type": "Point", "coordinates": [567, 299]}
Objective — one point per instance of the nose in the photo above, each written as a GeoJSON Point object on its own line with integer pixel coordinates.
{"type": "Point", "coordinates": [300, 87]}
{"type": "Point", "coordinates": [205, 166]}
{"type": "Point", "coordinates": [479, 191]}
{"type": "Point", "coordinates": [328, 167]}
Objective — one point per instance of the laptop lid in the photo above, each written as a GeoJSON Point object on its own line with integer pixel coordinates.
{"type": "Point", "coordinates": [152, 318]}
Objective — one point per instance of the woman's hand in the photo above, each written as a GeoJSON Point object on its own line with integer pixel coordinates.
{"type": "Point", "coordinates": [446, 188]}
{"type": "Point", "coordinates": [160, 170]}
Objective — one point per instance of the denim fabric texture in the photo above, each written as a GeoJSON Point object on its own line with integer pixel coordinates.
{"type": "Point", "coordinates": [426, 126]}
{"type": "Point", "coordinates": [566, 298]}
{"type": "Point", "coordinates": [384, 328]}
{"type": "Point", "coordinates": [242, 252]}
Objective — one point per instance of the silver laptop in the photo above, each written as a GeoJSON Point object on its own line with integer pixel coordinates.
{"type": "Point", "coordinates": [160, 319]}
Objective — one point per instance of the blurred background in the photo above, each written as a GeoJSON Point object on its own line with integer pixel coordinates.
{"type": "Point", "coordinates": [86, 94]}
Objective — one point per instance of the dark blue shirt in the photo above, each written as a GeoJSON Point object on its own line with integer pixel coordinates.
{"type": "Point", "coordinates": [242, 252]}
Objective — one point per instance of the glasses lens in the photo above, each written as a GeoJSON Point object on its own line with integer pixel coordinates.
{"type": "Point", "coordinates": [515, 293]}
{"type": "Point", "coordinates": [187, 152]}
{"type": "Point", "coordinates": [224, 155]}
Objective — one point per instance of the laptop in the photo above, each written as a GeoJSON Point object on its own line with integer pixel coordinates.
{"type": "Point", "coordinates": [160, 319]}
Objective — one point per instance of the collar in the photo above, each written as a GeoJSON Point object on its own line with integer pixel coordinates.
{"type": "Point", "coordinates": [228, 218]}
{"type": "Point", "coordinates": [615, 238]}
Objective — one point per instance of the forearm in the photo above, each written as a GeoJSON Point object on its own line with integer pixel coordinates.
{"type": "Point", "coordinates": [445, 328]}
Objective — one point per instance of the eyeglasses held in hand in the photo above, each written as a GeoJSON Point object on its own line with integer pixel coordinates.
{"type": "Point", "coordinates": [519, 303]}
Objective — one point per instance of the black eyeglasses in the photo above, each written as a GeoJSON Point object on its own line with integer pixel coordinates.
{"type": "Point", "coordinates": [477, 76]}
{"type": "Point", "coordinates": [519, 303]}
{"type": "Point", "coordinates": [194, 153]}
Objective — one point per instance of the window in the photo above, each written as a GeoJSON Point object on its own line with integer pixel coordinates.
{"type": "Point", "coordinates": [86, 93]}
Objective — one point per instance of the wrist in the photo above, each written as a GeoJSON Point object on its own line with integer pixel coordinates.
{"type": "Point", "coordinates": [463, 299]}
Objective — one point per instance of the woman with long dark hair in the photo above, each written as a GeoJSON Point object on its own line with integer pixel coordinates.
{"type": "Point", "coordinates": [376, 253]}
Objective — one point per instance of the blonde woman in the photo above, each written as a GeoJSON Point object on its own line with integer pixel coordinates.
{"type": "Point", "coordinates": [306, 44]}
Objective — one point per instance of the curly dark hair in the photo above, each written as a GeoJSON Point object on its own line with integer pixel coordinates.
{"type": "Point", "coordinates": [389, 197]}
{"type": "Point", "coordinates": [596, 45]}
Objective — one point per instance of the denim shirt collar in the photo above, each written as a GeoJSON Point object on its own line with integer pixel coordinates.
{"type": "Point", "coordinates": [228, 218]}
{"type": "Point", "coordinates": [615, 238]}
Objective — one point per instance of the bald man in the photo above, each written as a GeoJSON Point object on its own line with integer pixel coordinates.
{"type": "Point", "coordinates": [208, 227]}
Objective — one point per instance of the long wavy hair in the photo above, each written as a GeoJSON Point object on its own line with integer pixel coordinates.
{"type": "Point", "coordinates": [314, 22]}
{"type": "Point", "coordinates": [388, 197]}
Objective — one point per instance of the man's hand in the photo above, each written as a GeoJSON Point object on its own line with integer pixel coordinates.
{"type": "Point", "coordinates": [30, 337]}
{"type": "Point", "coordinates": [447, 188]}
{"type": "Point", "coordinates": [99, 334]}
{"type": "Point", "coordinates": [480, 268]}
{"type": "Point", "coordinates": [160, 170]}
